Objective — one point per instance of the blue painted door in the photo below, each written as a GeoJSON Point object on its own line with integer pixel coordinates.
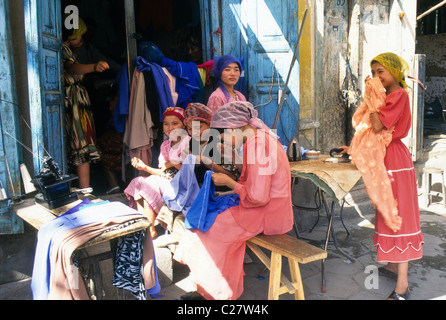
{"type": "Point", "coordinates": [263, 33]}
{"type": "Point", "coordinates": [43, 34]}
{"type": "Point", "coordinates": [9, 129]}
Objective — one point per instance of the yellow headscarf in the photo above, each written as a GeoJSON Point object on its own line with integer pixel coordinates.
{"type": "Point", "coordinates": [396, 65]}
{"type": "Point", "coordinates": [77, 33]}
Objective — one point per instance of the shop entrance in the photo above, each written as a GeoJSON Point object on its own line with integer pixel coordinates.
{"type": "Point", "coordinates": [115, 28]}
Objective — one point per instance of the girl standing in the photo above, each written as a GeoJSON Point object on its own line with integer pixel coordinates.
{"type": "Point", "coordinates": [145, 194]}
{"type": "Point", "coordinates": [397, 247]}
{"type": "Point", "coordinates": [227, 70]}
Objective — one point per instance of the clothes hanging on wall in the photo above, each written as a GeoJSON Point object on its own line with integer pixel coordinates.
{"type": "Point", "coordinates": [138, 136]}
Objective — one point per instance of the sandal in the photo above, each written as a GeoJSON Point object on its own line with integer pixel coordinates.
{"type": "Point", "coordinates": [397, 296]}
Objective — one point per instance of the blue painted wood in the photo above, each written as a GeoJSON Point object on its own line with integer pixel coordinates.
{"type": "Point", "coordinates": [9, 151]}
{"type": "Point", "coordinates": [264, 33]}
{"type": "Point", "coordinates": [43, 36]}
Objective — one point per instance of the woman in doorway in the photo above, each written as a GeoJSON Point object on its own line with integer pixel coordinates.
{"type": "Point", "coordinates": [398, 238]}
{"type": "Point", "coordinates": [227, 70]}
{"type": "Point", "coordinates": [215, 257]}
{"type": "Point", "coordinates": [79, 117]}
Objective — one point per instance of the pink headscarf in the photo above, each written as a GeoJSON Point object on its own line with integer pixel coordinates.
{"type": "Point", "coordinates": [237, 114]}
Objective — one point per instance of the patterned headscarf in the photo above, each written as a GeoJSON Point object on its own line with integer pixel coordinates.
{"type": "Point", "coordinates": [175, 111]}
{"type": "Point", "coordinates": [396, 65]}
{"type": "Point", "coordinates": [198, 111]}
{"type": "Point", "coordinates": [237, 114]}
{"type": "Point", "coordinates": [219, 64]}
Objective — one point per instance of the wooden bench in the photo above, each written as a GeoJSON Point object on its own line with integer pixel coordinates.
{"type": "Point", "coordinates": [297, 251]}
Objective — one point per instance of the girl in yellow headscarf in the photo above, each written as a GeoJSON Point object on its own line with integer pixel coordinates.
{"type": "Point", "coordinates": [79, 117]}
{"type": "Point", "coordinates": [386, 110]}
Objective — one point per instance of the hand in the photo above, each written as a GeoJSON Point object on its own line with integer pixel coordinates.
{"type": "Point", "coordinates": [221, 179]}
{"type": "Point", "coordinates": [367, 79]}
{"type": "Point", "coordinates": [393, 222]}
{"type": "Point", "coordinates": [138, 164]}
{"type": "Point", "coordinates": [101, 66]}
{"type": "Point", "coordinates": [344, 149]}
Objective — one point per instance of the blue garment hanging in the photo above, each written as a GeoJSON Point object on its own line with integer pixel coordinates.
{"type": "Point", "coordinates": [162, 85]}
{"type": "Point", "coordinates": [122, 105]}
{"type": "Point", "coordinates": [188, 80]}
{"type": "Point", "coordinates": [207, 207]}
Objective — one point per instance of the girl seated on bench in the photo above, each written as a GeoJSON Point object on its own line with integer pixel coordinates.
{"type": "Point", "coordinates": [145, 194]}
{"type": "Point", "coordinates": [215, 257]}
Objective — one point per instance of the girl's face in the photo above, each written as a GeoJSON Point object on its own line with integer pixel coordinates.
{"type": "Point", "coordinates": [231, 74]}
{"type": "Point", "coordinates": [196, 129]}
{"type": "Point", "coordinates": [384, 75]}
{"type": "Point", "coordinates": [171, 123]}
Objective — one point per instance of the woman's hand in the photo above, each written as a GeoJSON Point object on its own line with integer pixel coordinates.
{"type": "Point", "coordinates": [221, 179]}
{"type": "Point", "coordinates": [101, 66]}
{"type": "Point", "coordinates": [345, 149]}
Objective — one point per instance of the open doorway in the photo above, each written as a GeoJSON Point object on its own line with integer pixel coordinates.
{"type": "Point", "coordinates": [173, 25]}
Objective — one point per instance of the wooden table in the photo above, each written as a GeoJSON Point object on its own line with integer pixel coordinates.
{"type": "Point", "coordinates": [37, 215]}
{"type": "Point", "coordinates": [333, 179]}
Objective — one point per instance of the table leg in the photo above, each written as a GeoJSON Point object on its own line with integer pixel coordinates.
{"type": "Point", "coordinates": [330, 232]}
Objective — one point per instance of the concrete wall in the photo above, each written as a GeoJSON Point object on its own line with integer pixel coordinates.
{"type": "Point", "coordinates": [433, 46]}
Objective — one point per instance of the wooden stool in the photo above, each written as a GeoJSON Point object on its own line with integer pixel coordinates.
{"type": "Point", "coordinates": [297, 251]}
{"type": "Point", "coordinates": [428, 172]}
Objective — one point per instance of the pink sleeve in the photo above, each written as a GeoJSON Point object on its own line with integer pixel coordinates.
{"type": "Point", "coordinates": [395, 105]}
{"type": "Point", "coordinates": [216, 100]}
{"type": "Point", "coordinates": [255, 189]}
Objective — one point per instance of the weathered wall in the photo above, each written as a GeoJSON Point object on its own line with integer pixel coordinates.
{"type": "Point", "coordinates": [433, 46]}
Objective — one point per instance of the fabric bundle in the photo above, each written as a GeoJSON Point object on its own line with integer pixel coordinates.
{"type": "Point", "coordinates": [207, 207]}
{"type": "Point", "coordinates": [368, 150]}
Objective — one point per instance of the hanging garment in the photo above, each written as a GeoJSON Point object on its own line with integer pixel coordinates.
{"type": "Point", "coordinates": [122, 105]}
{"type": "Point", "coordinates": [207, 206]}
{"type": "Point", "coordinates": [138, 136]}
{"type": "Point", "coordinates": [368, 149]}
{"type": "Point", "coordinates": [188, 80]}
{"type": "Point", "coordinates": [162, 84]}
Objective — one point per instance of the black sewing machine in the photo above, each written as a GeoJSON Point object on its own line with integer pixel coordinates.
{"type": "Point", "coordinates": [55, 187]}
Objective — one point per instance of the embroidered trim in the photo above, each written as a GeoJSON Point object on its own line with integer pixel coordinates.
{"type": "Point", "coordinates": [398, 235]}
{"type": "Point", "coordinates": [400, 170]}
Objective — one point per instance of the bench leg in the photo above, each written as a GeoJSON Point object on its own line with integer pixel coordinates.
{"type": "Point", "coordinates": [296, 279]}
{"type": "Point", "coordinates": [275, 275]}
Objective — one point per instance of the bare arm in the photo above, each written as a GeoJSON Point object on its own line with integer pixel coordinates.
{"type": "Point", "coordinates": [82, 69]}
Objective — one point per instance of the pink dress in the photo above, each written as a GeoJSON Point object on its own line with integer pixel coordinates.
{"type": "Point", "coordinates": [218, 99]}
{"type": "Point", "coordinates": [406, 244]}
{"type": "Point", "coordinates": [215, 257]}
{"type": "Point", "coordinates": [151, 188]}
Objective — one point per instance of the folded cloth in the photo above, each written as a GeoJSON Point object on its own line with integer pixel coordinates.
{"type": "Point", "coordinates": [368, 149]}
{"type": "Point", "coordinates": [183, 188]}
{"type": "Point", "coordinates": [86, 218]}
{"type": "Point", "coordinates": [207, 207]}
